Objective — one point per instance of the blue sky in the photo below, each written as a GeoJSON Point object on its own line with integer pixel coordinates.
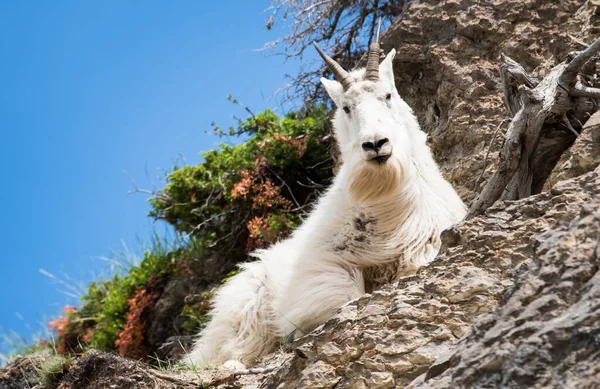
{"type": "Point", "coordinates": [91, 90]}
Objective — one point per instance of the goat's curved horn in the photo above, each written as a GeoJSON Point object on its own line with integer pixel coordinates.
{"type": "Point", "coordinates": [372, 73]}
{"type": "Point", "coordinates": [338, 71]}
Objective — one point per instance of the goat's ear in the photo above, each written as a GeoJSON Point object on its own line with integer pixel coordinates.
{"type": "Point", "coordinates": [386, 68]}
{"type": "Point", "coordinates": [334, 89]}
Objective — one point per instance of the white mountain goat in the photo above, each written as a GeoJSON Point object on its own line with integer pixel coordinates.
{"type": "Point", "coordinates": [380, 220]}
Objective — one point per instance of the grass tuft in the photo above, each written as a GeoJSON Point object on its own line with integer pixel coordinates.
{"type": "Point", "coordinates": [52, 369]}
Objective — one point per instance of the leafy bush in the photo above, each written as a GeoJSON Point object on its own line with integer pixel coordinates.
{"type": "Point", "coordinates": [246, 196]}
{"type": "Point", "coordinates": [104, 312]}
{"type": "Point", "coordinates": [242, 197]}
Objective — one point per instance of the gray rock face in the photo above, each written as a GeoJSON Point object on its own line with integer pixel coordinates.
{"type": "Point", "coordinates": [420, 328]}
{"type": "Point", "coordinates": [547, 333]}
{"type": "Point", "coordinates": [582, 157]}
{"type": "Point", "coordinates": [165, 321]}
{"type": "Point", "coordinates": [393, 336]}
{"type": "Point", "coordinates": [446, 69]}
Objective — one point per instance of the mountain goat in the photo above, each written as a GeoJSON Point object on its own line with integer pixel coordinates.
{"type": "Point", "coordinates": [380, 220]}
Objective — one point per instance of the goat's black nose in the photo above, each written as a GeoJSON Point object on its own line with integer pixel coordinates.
{"type": "Point", "coordinates": [374, 146]}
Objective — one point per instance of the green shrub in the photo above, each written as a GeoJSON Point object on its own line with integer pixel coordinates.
{"type": "Point", "coordinates": [242, 197]}
{"type": "Point", "coordinates": [275, 172]}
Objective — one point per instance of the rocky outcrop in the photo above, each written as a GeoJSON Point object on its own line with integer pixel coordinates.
{"type": "Point", "coordinates": [97, 369]}
{"type": "Point", "coordinates": [546, 333]}
{"type": "Point", "coordinates": [525, 273]}
{"type": "Point", "coordinates": [447, 70]}
{"type": "Point", "coordinates": [391, 337]}
{"type": "Point", "coordinates": [165, 321]}
{"type": "Point", "coordinates": [101, 370]}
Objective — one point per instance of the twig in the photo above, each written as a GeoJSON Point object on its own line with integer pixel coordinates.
{"type": "Point", "coordinates": [148, 177]}
{"type": "Point", "coordinates": [235, 101]}
{"type": "Point", "coordinates": [488, 152]}
{"type": "Point", "coordinates": [318, 163]}
{"type": "Point", "coordinates": [206, 221]}
{"type": "Point", "coordinates": [569, 126]}
{"type": "Point", "coordinates": [235, 373]}
{"type": "Point", "coordinates": [313, 186]}
{"type": "Point", "coordinates": [577, 40]}
{"type": "Point", "coordinates": [136, 188]}
{"type": "Point", "coordinates": [255, 370]}
{"type": "Point", "coordinates": [300, 208]}
{"type": "Point", "coordinates": [170, 378]}
{"type": "Point", "coordinates": [286, 185]}
{"type": "Point", "coordinates": [213, 244]}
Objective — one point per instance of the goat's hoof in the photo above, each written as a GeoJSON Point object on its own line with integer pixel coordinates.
{"type": "Point", "coordinates": [234, 365]}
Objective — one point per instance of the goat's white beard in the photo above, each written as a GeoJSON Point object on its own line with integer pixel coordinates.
{"type": "Point", "coordinates": [370, 182]}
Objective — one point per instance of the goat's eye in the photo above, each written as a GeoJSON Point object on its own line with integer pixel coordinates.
{"type": "Point", "coordinates": [388, 96]}
{"type": "Point", "coordinates": [346, 109]}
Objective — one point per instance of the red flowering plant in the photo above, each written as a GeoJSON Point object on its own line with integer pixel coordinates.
{"type": "Point", "coordinates": [65, 330]}
{"type": "Point", "coordinates": [113, 312]}
{"type": "Point", "coordinates": [131, 340]}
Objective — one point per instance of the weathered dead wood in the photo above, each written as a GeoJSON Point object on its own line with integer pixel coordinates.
{"type": "Point", "coordinates": [229, 378]}
{"type": "Point", "coordinates": [547, 117]}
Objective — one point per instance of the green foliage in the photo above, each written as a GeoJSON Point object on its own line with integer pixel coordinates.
{"type": "Point", "coordinates": [278, 170]}
{"type": "Point", "coordinates": [240, 198]}
{"type": "Point", "coordinates": [104, 307]}
{"type": "Point", "coordinates": [107, 301]}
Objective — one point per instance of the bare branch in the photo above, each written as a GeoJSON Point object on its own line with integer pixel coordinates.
{"type": "Point", "coordinates": [569, 126]}
{"type": "Point", "coordinates": [343, 28]}
{"type": "Point", "coordinates": [286, 185]}
{"type": "Point", "coordinates": [254, 370]}
{"type": "Point", "coordinates": [136, 189]}
{"type": "Point", "coordinates": [569, 76]}
{"type": "Point", "coordinates": [513, 76]}
{"type": "Point", "coordinates": [232, 376]}
{"type": "Point", "coordinates": [580, 90]}
{"type": "Point", "coordinates": [153, 373]}
{"type": "Point", "coordinates": [536, 138]}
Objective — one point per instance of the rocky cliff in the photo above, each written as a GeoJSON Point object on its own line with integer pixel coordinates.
{"type": "Point", "coordinates": [534, 258]}
{"type": "Point", "coordinates": [447, 69]}
{"type": "Point", "coordinates": [512, 299]}
{"type": "Point", "coordinates": [525, 271]}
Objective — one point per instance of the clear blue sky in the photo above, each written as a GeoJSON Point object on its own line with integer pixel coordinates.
{"type": "Point", "coordinates": [90, 90]}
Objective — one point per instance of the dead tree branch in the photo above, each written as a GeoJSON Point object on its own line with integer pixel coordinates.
{"type": "Point", "coordinates": [342, 27]}
{"type": "Point", "coordinates": [547, 117]}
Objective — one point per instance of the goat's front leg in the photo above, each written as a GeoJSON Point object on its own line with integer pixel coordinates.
{"type": "Point", "coordinates": [315, 292]}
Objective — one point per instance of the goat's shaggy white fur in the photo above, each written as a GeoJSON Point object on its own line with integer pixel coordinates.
{"type": "Point", "coordinates": [376, 223]}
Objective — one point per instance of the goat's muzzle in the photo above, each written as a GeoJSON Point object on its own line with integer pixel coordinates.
{"type": "Point", "coordinates": [378, 151]}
